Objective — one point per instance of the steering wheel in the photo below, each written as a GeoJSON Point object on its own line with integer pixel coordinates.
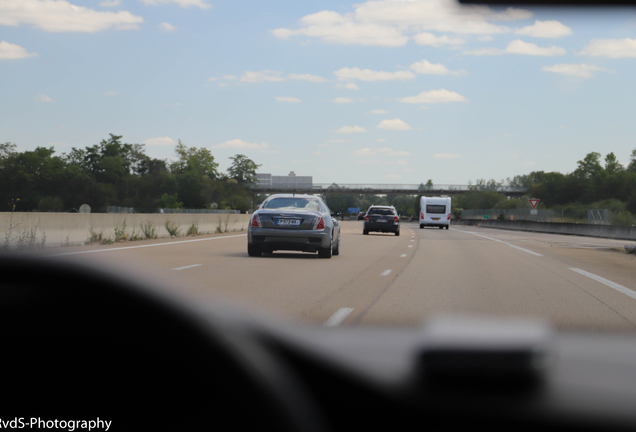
{"type": "Point", "coordinates": [81, 344]}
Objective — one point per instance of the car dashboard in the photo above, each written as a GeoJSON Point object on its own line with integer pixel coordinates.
{"type": "Point", "coordinates": [82, 343]}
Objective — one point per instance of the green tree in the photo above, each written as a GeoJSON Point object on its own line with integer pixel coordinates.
{"type": "Point", "coordinates": [243, 169]}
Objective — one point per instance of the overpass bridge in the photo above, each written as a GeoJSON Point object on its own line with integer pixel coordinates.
{"type": "Point", "coordinates": [383, 189]}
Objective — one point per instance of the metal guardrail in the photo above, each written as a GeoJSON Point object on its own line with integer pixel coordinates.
{"type": "Point", "coordinates": [115, 209]}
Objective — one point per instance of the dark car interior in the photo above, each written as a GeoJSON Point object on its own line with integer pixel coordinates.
{"type": "Point", "coordinates": [79, 342]}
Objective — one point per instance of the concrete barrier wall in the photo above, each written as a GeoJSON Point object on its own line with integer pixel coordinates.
{"type": "Point", "coordinates": [75, 228]}
{"type": "Point", "coordinates": [618, 232]}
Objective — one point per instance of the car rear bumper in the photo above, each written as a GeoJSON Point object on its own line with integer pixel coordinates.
{"type": "Point", "coordinates": [385, 227]}
{"type": "Point", "coordinates": [297, 240]}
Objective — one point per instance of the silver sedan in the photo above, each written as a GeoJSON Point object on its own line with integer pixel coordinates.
{"type": "Point", "coordinates": [293, 222]}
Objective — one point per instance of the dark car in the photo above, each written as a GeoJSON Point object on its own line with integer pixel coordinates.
{"type": "Point", "coordinates": [382, 219]}
{"type": "Point", "coordinates": [293, 222]}
{"type": "Point", "coordinates": [361, 215]}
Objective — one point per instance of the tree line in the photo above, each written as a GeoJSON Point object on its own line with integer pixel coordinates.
{"type": "Point", "coordinates": [114, 173]}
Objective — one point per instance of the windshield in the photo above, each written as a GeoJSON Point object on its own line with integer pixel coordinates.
{"type": "Point", "coordinates": [169, 123]}
{"type": "Point", "coordinates": [292, 204]}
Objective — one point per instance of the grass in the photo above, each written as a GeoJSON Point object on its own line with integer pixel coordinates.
{"type": "Point", "coordinates": [149, 229]}
{"type": "Point", "coordinates": [193, 229]}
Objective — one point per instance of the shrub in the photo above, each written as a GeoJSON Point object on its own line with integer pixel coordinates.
{"type": "Point", "coordinates": [172, 228]}
{"type": "Point", "coordinates": [193, 229]}
{"type": "Point", "coordinates": [149, 229]}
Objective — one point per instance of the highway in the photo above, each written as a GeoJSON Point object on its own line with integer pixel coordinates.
{"type": "Point", "coordinates": [382, 279]}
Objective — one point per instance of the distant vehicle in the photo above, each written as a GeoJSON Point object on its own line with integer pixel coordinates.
{"type": "Point", "coordinates": [435, 211]}
{"type": "Point", "coordinates": [361, 215]}
{"type": "Point", "coordinates": [382, 219]}
{"type": "Point", "coordinates": [293, 222]}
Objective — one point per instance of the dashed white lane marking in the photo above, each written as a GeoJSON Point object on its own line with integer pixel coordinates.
{"type": "Point", "coordinates": [186, 267]}
{"type": "Point", "coordinates": [403, 256]}
{"type": "Point", "coordinates": [410, 245]}
{"type": "Point", "coordinates": [338, 317]}
{"type": "Point", "coordinates": [501, 241]}
{"type": "Point", "coordinates": [386, 272]}
{"type": "Point", "coordinates": [412, 240]}
{"type": "Point", "coordinates": [609, 283]}
{"type": "Point", "coordinates": [145, 246]}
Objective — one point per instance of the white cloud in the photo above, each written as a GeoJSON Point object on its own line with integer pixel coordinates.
{"type": "Point", "coordinates": [395, 124]}
{"type": "Point", "coordinates": [433, 40]}
{"type": "Point", "coordinates": [262, 76]}
{"type": "Point", "coordinates": [485, 38]}
{"type": "Point", "coordinates": [110, 3]}
{"type": "Point", "coordinates": [183, 3]}
{"type": "Point", "coordinates": [388, 22]}
{"type": "Point", "coordinates": [274, 76]}
{"type": "Point", "coordinates": [612, 48]}
{"type": "Point", "coordinates": [518, 46]}
{"type": "Point", "coordinates": [306, 77]}
{"type": "Point", "coordinates": [9, 51]}
{"type": "Point", "coordinates": [167, 27]}
{"type": "Point", "coordinates": [380, 140]}
{"type": "Point", "coordinates": [370, 75]}
{"type": "Point", "coordinates": [364, 152]}
{"type": "Point", "coordinates": [545, 29]}
{"type": "Point", "coordinates": [317, 153]}
{"type": "Point", "coordinates": [214, 79]}
{"type": "Point", "coordinates": [229, 77]}
{"type": "Point", "coordinates": [62, 16]}
{"type": "Point", "coordinates": [348, 86]}
{"type": "Point", "coordinates": [160, 141]}
{"type": "Point", "coordinates": [240, 144]}
{"type": "Point", "coordinates": [287, 99]}
{"type": "Point", "coordinates": [379, 111]}
{"type": "Point", "coordinates": [43, 98]}
{"type": "Point", "coordinates": [342, 100]}
{"type": "Point", "coordinates": [111, 93]}
{"type": "Point", "coordinates": [385, 151]}
{"type": "Point", "coordinates": [435, 96]}
{"type": "Point", "coordinates": [426, 67]}
{"type": "Point", "coordinates": [351, 129]}
{"type": "Point", "coordinates": [447, 155]}
{"type": "Point", "coordinates": [575, 70]}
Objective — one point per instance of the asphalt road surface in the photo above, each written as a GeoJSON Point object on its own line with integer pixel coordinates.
{"type": "Point", "coordinates": [382, 279]}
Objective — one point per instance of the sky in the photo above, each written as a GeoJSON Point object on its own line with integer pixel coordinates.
{"type": "Point", "coordinates": [384, 91]}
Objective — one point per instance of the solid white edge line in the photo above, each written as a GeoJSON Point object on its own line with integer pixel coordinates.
{"type": "Point", "coordinates": [386, 272]}
{"type": "Point", "coordinates": [186, 267]}
{"type": "Point", "coordinates": [609, 283]}
{"type": "Point", "coordinates": [145, 246]}
{"type": "Point", "coordinates": [338, 317]}
{"type": "Point", "coordinates": [501, 241]}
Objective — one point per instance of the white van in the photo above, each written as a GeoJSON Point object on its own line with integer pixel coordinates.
{"type": "Point", "coordinates": [435, 211]}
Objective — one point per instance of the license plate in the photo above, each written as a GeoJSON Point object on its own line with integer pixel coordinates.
{"type": "Point", "coordinates": [288, 222]}
{"type": "Point", "coordinates": [381, 220]}
{"type": "Point", "coordinates": [435, 218]}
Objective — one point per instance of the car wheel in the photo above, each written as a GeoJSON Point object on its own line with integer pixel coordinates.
{"type": "Point", "coordinates": [441, 227]}
{"type": "Point", "coordinates": [447, 227]}
{"type": "Point", "coordinates": [254, 251]}
{"type": "Point", "coordinates": [365, 232]}
{"type": "Point", "coordinates": [397, 233]}
{"type": "Point", "coordinates": [421, 226]}
{"type": "Point", "coordinates": [326, 252]}
{"type": "Point", "coordinates": [336, 250]}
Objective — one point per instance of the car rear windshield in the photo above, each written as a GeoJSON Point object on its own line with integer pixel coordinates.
{"type": "Point", "coordinates": [435, 209]}
{"type": "Point", "coordinates": [381, 211]}
{"type": "Point", "coordinates": [293, 204]}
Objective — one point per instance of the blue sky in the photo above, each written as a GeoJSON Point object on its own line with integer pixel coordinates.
{"type": "Point", "coordinates": [386, 91]}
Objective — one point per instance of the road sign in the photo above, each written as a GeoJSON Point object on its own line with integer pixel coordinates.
{"type": "Point", "coordinates": [533, 202]}
{"type": "Point", "coordinates": [354, 210]}
{"type": "Point", "coordinates": [485, 216]}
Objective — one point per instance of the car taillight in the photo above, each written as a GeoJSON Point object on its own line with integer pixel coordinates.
{"type": "Point", "coordinates": [256, 221]}
{"type": "Point", "coordinates": [320, 224]}
{"type": "Point", "coordinates": [396, 219]}
{"type": "Point", "coordinates": [448, 217]}
{"type": "Point", "coordinates": [366, 218]}
{"type": "Point", "coordinates": [422, 215]}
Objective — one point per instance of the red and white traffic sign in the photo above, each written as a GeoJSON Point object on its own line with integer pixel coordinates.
{"type": "Point", "coordinates": [533, 202]}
